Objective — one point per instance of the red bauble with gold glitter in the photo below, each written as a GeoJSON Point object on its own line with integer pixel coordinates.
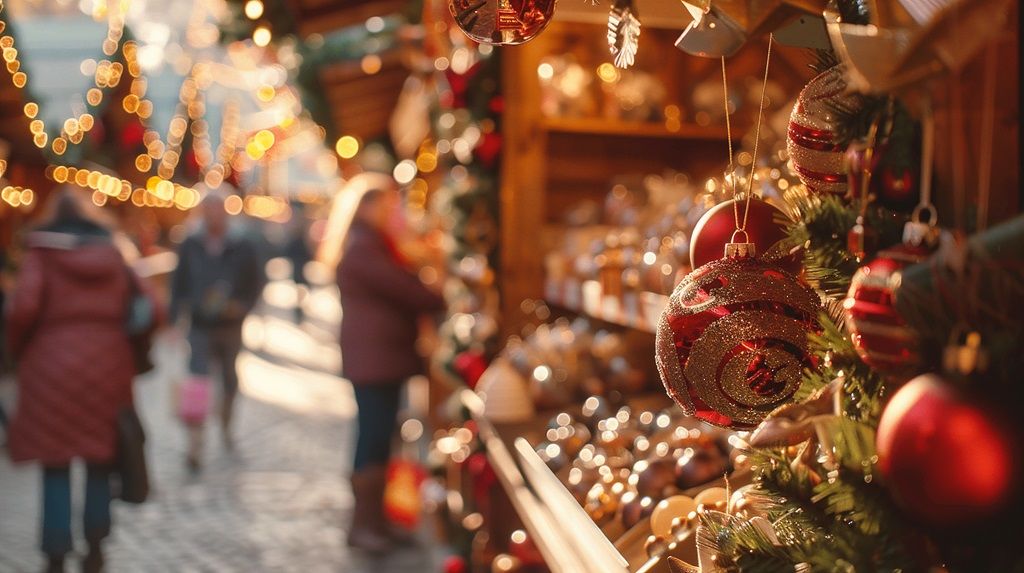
{"type": "Point", "coordinates": [881, 336]}
{"type": "Point", "coordinates": [816, 157]}
{"type": "Point", "coordinates": [946, 461]}
{"type": "Point", "coordinates": [766, 227]}
{"type": "Point", "coordinates": [732, 343]}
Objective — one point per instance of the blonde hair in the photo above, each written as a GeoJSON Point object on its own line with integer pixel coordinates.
{"type": "Point", "coordinates": [344, 210]}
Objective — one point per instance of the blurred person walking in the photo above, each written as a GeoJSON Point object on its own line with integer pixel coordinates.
{"type": "Point", "coordinates": [216, 284]}
{"type": "Point", "coordinates": [382, 300]}
{"type": "Point", "coordinates": [298, 252]}
{"type": "Point", "coordinates": [66, 327]}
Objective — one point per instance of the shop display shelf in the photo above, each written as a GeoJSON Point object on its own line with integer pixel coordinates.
{"type": "Point", "coordinates": [633, 129]}
{"type": "Point", "coordinates": [566, 549]}
{"type": "Point", "coordinates": [638, 310]}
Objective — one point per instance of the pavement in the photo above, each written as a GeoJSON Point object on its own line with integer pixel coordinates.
{"type": "Point", "coordinates": [278, 502]}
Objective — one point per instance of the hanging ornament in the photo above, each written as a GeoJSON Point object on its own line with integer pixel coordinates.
{"type": "Point", "coordinates": [732, 343]}
{"type": "Point", "coordinates": [766, 226]}
{"type": "Point", "coordinates": [711, 34]}
{"type": "Point", "coordinates": [502, 22]}
{"type": "Point", "coordinates": [881, 336]}
{"type": "Point", "coordinates": [623, 32]}
{"type": "Point", "coordinates": [945, 460]}
{"type": "Point", "coordinates": [816, 158]}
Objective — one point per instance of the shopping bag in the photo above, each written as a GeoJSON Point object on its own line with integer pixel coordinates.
{"type": "Point", "coordinates": [131, 472]}
{"type": "Point", "coordinates": [194, 397]}
{"type": "Point", "coordinates": [403, 503]}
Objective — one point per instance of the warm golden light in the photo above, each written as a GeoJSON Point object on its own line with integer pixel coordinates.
{"type": "Point", "coordinates": [253, 9]}
{"type": "Point", "coordinates": [265, 93]}
{"type": "Point", "coordinates": [608, 73]}
{"type": "Point", "coordinates": [261, 36]}
{"type": "Point", "coordinates": [371, 64]}
{"type": "Point", "coordinates": [31, 109]}
{"type": "Point", "coordinates": [347, 147]}
{"type": "Point", "coordinates": [264, 138]}
{"type": "Point", "coordinates": [233, 204]}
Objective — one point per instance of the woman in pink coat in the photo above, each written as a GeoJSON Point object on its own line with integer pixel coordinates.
{"type": "Point", "coordinates": [66, 330]}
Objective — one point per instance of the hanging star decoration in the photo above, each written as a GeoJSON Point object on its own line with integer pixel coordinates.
{"type": "Point", "coordinates": [759, 17]}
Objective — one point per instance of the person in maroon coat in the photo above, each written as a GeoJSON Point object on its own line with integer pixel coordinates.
{"type": "Point", "coordinates": [382, 301]}
{"type": "Point", "coordinates": [66, 329]}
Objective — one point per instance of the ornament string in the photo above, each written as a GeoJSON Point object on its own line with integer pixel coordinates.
{"type": "Point", "coordinates": [927, 157]}
{"type": "Point", "coordinates": [730, 169]}
{"type": "Point", "coordinates": [988, 120]}
{"type": "Point", "coordinates": [741, 223]}
{"type": "Point", "coordinates": [956, 120]}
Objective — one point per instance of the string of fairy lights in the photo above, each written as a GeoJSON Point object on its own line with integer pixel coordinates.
{"type": "Point", "coordinates": [162, 153]}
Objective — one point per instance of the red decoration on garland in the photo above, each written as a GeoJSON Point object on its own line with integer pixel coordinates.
{"type": "Point", "coordinates": [470, 365]}
{"type": "Point", "coordinates": [765, 227]}
{"type": "Point", "coordinates": [816, 158]}
{"type": "Point", "coordinates": [945, 460]}
{"type": "Point", "coordinates": [881, 336]}
{"type": "Point", "coordinates": [132, 135]}
{"type": "Point", "coordinates": [453, 564]}
{"type": "Point", "coordinates": [732, 342]}
{"type": "Point", "coordinates": [489, 149]}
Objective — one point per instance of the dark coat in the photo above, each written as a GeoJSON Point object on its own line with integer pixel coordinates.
{"type": "Point", "coordinates": [204, 283]}
{"type": "Point", "coordinates": [66, 329]}
{"type": "Point", "coordinates": [381, 302]}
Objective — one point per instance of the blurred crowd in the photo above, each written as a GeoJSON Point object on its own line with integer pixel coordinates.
{"type": "Point", "coordinates": [83, 298]}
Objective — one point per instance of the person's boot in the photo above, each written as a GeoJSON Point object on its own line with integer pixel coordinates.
{"type": "Point", "coordinates": [54, 564]}
{"type": "Point", "coordinates": [369, 530]}
{"type": "Point", "coordinates": [227, 407]}
{"type": "Point", "coordinates": [93, 562]}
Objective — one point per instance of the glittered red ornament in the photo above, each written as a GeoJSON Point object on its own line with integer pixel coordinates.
{"type": "Point", "coordinates": [881, 336]}
{"type": "Point", "coordinates": [765, 227]}
{"type": "Point", "coordinates": [816, 158]}
{"type": "Point", "coordinates": [502, 22]}
{"type": "Point", "coordinates": [945, 460]}
{"type": "Point", "coordinates": [732, 343]}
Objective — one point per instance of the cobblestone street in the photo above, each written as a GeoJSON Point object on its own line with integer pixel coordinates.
{"type": "Point", "coordinates": [278, 503]}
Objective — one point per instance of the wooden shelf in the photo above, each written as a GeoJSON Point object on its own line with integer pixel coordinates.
{"type": "Point", "coordinates": [636, 310]}
{"type": "Point", "coordinates": [632, 129]}
{"type": "Point", "coordinates": [565, 550]}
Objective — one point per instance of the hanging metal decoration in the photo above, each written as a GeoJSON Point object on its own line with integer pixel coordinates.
{"type": "Point", "coordinates": [623, 32]}
{"type": "Point", "coordinates": [502, 22]}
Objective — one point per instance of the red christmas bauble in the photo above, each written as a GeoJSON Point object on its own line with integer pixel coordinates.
{"type": "Point", "coordinates": [945, 461]}
{"type": "Point", "coordinates": [881, 336]}
{"type": "Point", "coordinates": [732, 343]}
{"type": "Point", "coordinates": [816, 158]}
{"type": "Point", "coordinates": [895, 187]}
{"type": "Point", "coordinates": [765, 226]}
